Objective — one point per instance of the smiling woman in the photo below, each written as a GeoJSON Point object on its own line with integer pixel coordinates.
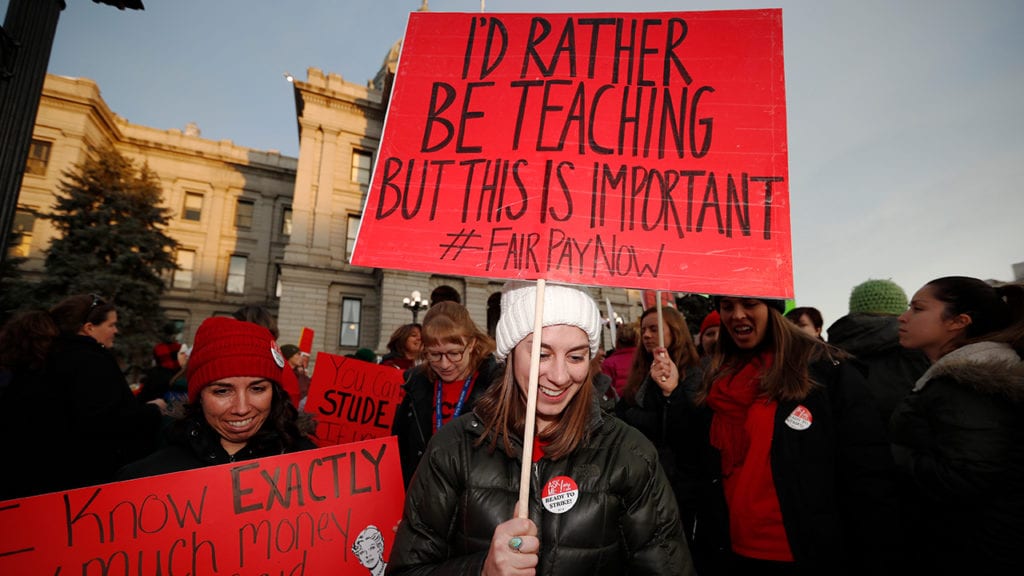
{"type": "Point", "coordinates": [600, 503]}
{"type": "Point", "coordinates": [237, 409]}
{"type": "Point", "coordinates": [458, 369]}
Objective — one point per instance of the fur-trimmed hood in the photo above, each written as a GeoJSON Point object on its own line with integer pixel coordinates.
{"type": "Point", "coordinates": [989, 367]}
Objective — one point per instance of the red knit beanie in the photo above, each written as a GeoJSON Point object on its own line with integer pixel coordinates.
{"type": "Point", "coordinates": [711, 320]}
{"type": "Point", "coordinates": [225, 347]}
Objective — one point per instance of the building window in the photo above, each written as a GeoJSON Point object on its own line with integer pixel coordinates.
{"type": "Point", "coordinates": [38, 157]}
{"type": "Point", "coordinates": [20, 243]}
{"type": "Point", "coordinates": [351, 311]}
{"type": "Point", "coordinates": [243, 213]}
{"type": "Point", "coordinates": [286, 221]}
{"type": "Point", "coordinates": [362, 163]}
{"type": "Point", "coordinates": [236, 275]}
{"type": "Point", "coordinates": [350, 235]}
{"type": "Point", "coordinates": [186, 261]}
{"type": "Point", "coordinates": [193, 209]}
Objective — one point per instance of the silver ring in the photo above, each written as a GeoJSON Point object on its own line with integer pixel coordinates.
{"type": "Point", "coordinates": [515, 543]}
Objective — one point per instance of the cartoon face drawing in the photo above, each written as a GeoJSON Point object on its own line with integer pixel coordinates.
{"type": "Point", "coordinates": [369, 549]}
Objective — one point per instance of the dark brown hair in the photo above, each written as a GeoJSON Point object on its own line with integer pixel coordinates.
{"type": "Point", "coordinates": [258, 315]}
{"type": "Point", "coordinates": [793, 350]}
{"type": "Point", "coordinates": [813, 314]}
{"type": "Point", "coordinates": [396, 344]}
{"type": "Point", "coordinates": [73, 312]}
{"type": "Point", "coordinates": [682, 350]}
{"type": "Point", "coordinates": [996, 312]}
{"type": "Point", "coordinates": [25, 340]}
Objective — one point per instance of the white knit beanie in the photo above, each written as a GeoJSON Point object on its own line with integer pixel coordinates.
{"type": "Point", "coordinates": [562, 305]}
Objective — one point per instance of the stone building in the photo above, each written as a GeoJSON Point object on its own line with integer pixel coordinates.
{"type": "Point", "coordinates": [254, 226]}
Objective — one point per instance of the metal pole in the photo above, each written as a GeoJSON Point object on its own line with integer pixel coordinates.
{"type": "Point", "coordinates": [27, 38]}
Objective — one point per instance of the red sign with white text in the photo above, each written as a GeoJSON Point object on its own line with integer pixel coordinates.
{"type": "Point", "coordinates": [324, 511]}
{"type": "Point", "coordinates": [352, 400]}
{"type": "Point", "coordinates": [628, 149]}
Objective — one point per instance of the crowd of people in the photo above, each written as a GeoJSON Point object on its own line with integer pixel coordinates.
{"type": "Point", "coordinates": [752, 446]}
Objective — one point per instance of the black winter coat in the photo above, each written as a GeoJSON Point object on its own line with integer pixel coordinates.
{"type": "Point", "coordinates": [624, 521]}
{"type": "Point", "coordinates": [73, 424]}
{"type": "Point", "coordinates": [959, 437]}
{"type": "Point", "coordinates": [874, 341]}
{"type": "Point", "coordinates": [415, 418]}
{"type": "Point", "coordinates": [833, 480]}
{"type": "Point", "coordinates": [667, 422]}
{"type": "Point", "coordinates": [196, 445]}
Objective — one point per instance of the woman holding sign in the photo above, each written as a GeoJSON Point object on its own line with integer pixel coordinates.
{"type": "Point", "coordinates": [237, 409]}
{"type": "Point", "coordinates": [458, 370]}
{"type": "Point", "coordinates": [599, 503]}
{"type": "Point", "coordinates": [657, 400]}
{"type": "Point", "coordinates": [798, 467]}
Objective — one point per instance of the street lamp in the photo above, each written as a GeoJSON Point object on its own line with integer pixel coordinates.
{"type": "Point", "coordinates": [415, 303]}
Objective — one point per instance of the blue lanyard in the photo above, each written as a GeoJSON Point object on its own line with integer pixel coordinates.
{"type": "Point", "coordinates": [458, 406]}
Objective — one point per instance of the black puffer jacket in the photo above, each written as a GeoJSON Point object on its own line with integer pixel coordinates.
{"type": "Point", "coordinates": [960, 438]}
{"type": "Point", "coordinates": [196, 445]}
{"type": "Point", "coordinates": [624, 522]}
{"type": "Point", "coordinates": [415, 418]}
{"type": "Point", "coordinates": [874, 341]}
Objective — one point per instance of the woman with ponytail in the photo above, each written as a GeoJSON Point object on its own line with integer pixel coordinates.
{"type": "Point", "coordinates": [959, 434]}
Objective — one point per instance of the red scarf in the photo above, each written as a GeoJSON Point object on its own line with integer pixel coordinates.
{"type": "Point", "coordinates": [730, 398]}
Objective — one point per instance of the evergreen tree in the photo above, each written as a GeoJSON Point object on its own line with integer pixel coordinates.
{"type": "Point", "coordinates": [112, 243]}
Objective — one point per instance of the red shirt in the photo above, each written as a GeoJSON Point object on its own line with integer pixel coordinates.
{"type": "Point", "coordinates": [450, 393]}
{"type": "Point", "coordinates": [755, 519]}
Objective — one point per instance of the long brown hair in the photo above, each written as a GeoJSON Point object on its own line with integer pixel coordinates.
{"type": "Point", "coordinates": [793, 350]}
{"type": "Point", "coordinates": [450, 323]}
{"type": "Point", "coordinates": [503, 412]}
{"type": "Point", "coordinates": [682, 350]}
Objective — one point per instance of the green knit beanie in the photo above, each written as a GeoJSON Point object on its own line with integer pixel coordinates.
{"type": "Point", "coordinates": [878, 297]}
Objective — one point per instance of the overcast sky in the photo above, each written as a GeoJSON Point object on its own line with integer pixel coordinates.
{"type": "Point", "coordinates": [906, 123]}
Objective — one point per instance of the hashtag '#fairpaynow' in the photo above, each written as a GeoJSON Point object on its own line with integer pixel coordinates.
{"type": "Point", "coordinates": [460, 241]}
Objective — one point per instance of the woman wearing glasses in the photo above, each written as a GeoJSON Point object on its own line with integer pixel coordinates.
{"type": "Point", "coordinates": [458, 369]}
{"type": "Point", "coordinates": [71, 421]}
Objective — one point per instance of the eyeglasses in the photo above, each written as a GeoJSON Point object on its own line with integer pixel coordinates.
{"type": "Point", "coordinates": [452, 357]}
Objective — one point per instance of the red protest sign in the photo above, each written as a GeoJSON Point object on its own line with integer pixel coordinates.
{"type": "Point", "coordinates": [634, 150]}
{"type": "Point", "coordinates": [352, 400]}
{"type": "Point", "coordinates": [301, 513]}
{"type": "Point", "coordinates": [306, 340]}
